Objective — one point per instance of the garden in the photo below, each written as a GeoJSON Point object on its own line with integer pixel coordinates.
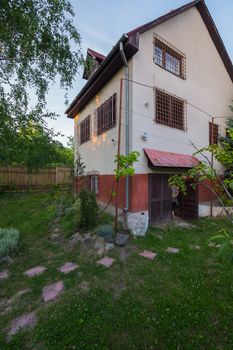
{"type": "Point", "coordinates": [68, 284]}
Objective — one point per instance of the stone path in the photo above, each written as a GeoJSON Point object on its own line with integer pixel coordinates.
{"type": "Point", "coordinates": [52, 291]}
{"type": "Point", "coordinates": [106, 261]}
{"type": "Point", "coordinates": [24, 321]}
{"type": "Point", "coordinates": [148, 254]}
{"type": "Point", "coordinates": [172, 250]}
{"type": "Point", "coordinates": [3, 275]}
{"type": "Point", "coordinates": [68, 267]}
{"type": "Point", "coordinates": [37, 270]}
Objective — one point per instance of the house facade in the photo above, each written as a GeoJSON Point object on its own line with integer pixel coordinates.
{"type": "Point", "coordinates": [166, 80]}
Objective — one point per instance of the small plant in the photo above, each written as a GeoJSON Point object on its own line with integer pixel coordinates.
{"type": "Point", "coordinates": [88, 209]}
{"type": "Point", "coordinates": [105, 230]}
{"type": "Point", "coordinates": [225, 242]}
{"type": "Point", "coordinates": [77, 211]}
{"type": "Point", "coordinates": [9, 238]}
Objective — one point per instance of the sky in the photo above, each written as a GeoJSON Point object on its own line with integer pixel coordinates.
{"type": "Point", "coordinates": [101, 23]}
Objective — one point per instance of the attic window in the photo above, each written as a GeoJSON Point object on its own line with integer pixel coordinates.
{"type": "Point", "coordinates": [170, 110]}
{"type": "Point", "coordinates": [106, 115]}
{"type": "Point", "coordinates": [169, 58]}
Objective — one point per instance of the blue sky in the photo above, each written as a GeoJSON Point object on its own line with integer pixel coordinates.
{"type": "Point", "coordinates": [101, 23]}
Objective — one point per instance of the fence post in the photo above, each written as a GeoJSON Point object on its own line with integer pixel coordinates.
{"type": "Point", "coordinates": [9, 171]}
{"type": "Point", "coordinates": [56, 175]}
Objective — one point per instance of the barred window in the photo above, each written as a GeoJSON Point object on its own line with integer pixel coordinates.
{"type": "Point", "coordinates": [170, 110]}
{"type": "Point", "coordinates": [95, 184]}
{"type": "Point", "coordinates": [106, 115]}
{"type": "Point", "coordinates": [85, 130]}
{"type": "Point", "coordinates": [213, 133]}
{"type": "Point", "coordinates": [169, 58]}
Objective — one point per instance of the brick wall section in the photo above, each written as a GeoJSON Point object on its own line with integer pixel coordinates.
{"type": "Point", "coordinates": [204, 194]}
{"type": "Point", "coordinates": [138, 190]}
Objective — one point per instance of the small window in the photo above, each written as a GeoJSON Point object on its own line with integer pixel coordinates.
{"type": "Point", "coordinates": [106, 115]}
{"type": "Point", "coordinates": [213, 133]}
{"type": "Point", "coordinates": [169, 58]}
{"type": "Point", "coordinates": [85, 130]}
{"type": "Point", "coordinates": [170, 110]}
{"type": "Point", "coordinates": [95, 184]}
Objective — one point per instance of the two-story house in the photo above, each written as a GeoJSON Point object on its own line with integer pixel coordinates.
{"type": "Point", "coordinates": [164, 80]}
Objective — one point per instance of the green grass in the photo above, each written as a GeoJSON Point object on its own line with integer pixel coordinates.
{"type": "Point", "coordinates": [177, 301]}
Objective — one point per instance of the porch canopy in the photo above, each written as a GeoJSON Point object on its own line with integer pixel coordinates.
{"type": "Point", "coordinates": [168, 159]}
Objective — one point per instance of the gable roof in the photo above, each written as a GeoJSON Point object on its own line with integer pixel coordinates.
{"type": "Point", "coordinates": [113, 62]}
{"type": "Point", "coordinates": [96, 56]}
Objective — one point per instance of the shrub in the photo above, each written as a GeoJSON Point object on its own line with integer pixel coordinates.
{"type": "Point", "coordinates": [9, 238]}
{"type": "Point", "coordinates": [77, 211]}
{"type": "Point", "coordinates": [88, 209]}
{"type": "Point", "coordinates": [105, 230]}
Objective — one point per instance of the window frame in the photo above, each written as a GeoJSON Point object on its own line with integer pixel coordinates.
{"type": "Point", "coordinates": [174, 105]}
{"type": "Point", "coordinates": [106, 115]}
{"type": "Point", "coordinates": [86, 131]}
{"type": "Point", "coordinates": [95, 184]}
{"type": "Point", "coordinates": [215, 129]}
{"type": "Point", "coordinates": [168, 49]}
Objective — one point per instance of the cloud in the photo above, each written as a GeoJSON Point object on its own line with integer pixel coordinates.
{"type": "Point", "coordinates": [96, 34]}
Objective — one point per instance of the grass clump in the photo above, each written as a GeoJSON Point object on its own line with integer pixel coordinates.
{"type": "Point", "coordinates": [105, 230]}
{"type": "Point", "coordinates": [9, 238]}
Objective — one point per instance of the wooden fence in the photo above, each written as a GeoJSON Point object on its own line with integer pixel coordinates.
{"type": "Point", "coordinates": [18, 178]}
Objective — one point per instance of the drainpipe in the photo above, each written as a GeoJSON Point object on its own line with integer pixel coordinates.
{"type": "Point", "coordinates": [127, 128]}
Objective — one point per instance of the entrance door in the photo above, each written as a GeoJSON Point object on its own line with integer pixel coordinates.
{"type": "Point", "coordinates": [160, 199]}
{"type": "Point", "coordinates": [189, 203]}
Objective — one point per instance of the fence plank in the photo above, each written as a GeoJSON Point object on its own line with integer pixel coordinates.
{"type": "Point", "coordinates": [17, 178]}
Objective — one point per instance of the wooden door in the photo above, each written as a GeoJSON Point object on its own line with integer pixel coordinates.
{"type": "Point", "coordinates": [189, 203]}
{"type": "Point", "coordinates": [160, 199]}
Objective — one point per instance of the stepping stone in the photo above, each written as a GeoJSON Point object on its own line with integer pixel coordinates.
{"type": "Point", "coordinates": [68, 267]}
{"type": "Point", "coordinates": [172, 250]}
{"type": "Point", "coordinates": [148, 254]}
{"type": "Point", "coordinates": [106, 261]}
{"type": "Point", "coordinates": [52, 291]}
{"type": "Point", "coordinates": [3, 275]}
{"type": "Point", "coordinates": [21, 322]}
{"type": "Point", "coordinates": [34, 271]}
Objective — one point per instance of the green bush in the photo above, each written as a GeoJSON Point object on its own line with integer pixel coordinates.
{"type": "Point", "coordinates": [9, 238]}
{"type": "Point", "coordinates": [77, 211]}
{"type": "Point", "coordinates": [105, 230]}
{"type": "Point", "coordinates": [88, 209]}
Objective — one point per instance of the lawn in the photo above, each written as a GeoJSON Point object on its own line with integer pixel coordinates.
{"type": "Point", "coordinates": [176, 301]}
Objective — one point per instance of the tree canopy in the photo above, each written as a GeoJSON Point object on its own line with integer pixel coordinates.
{"type": "Point", "coordinates": [39, 45]}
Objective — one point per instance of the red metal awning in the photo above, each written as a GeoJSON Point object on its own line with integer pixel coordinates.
{"type": "Point", "coordinates": [168, 159]}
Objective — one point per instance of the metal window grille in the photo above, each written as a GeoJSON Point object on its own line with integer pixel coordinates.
{"type": "Point", "coordinates": [170, 110]}
{"type": "Point", "coordinates": [169, 57]}
{"type": "Point", "coordinates": [106, 115]}
{"type": "Point", "coordinates": [95, 184]}
{"type": "Point", "coordinates": [213, 133]}
{"type": "Point", "coordinates": [85, 130]}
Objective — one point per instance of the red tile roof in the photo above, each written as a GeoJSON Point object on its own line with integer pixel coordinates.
{"type": "Point", "coordinates": [168, 159]}
{"type": "Point", "coordinates": [95, 54]}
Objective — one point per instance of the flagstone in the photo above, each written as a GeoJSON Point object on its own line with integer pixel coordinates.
{"type": "Point", "coordinates": [24, 321]}
{"type": "Point", "coordinates": [34, 271]}
{"type": "Point", "coordinates": [106, 261]}
{"type": "Point", "coordinates": [148, 254]}
{"type": "Point", "coordinates": [52, 291]}
{"type": "Point", "coordinates": [172, 250]}
{"type": "Point", "coordinates": [3, 275]}
{"type": "Point", "coordinates": [68, 267]}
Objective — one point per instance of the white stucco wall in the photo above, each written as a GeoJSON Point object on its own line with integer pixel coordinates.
{"type": "Point", "coordinates": [207, 86]}
{"type": "Point", "coordinates": [99, 153]}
